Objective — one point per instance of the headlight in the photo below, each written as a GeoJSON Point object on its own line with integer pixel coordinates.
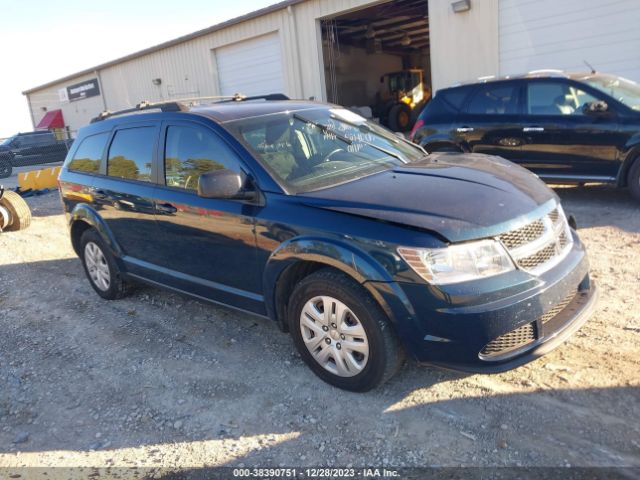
{"type": "Point", "coordinates": [458, 263]}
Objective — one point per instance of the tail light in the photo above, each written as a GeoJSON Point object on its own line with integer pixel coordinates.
{"type": "Point", "coordinates": [415, 128]}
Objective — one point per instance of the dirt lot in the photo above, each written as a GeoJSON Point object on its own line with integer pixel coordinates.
{"type": "Point", "coordinates": [159, 380]}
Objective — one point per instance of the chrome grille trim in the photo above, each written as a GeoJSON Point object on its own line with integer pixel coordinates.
{"type": "Point", "coordinates": [541, 244]}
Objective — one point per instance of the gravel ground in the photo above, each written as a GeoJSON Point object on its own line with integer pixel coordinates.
{"type": "Point", "coordinates": [163, 381]}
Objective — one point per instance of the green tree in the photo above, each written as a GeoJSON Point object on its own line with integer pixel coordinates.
{"type": "Point", "coordinates": [123, 167]}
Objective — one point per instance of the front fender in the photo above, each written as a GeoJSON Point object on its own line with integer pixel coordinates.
{"type": "Point", "coordinates": [356, 263]}
{"type": "Point", "coordinates": [83, 212]}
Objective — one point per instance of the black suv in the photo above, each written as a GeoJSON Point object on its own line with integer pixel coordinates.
{"type": "Point", "coordinates": [565, 127]}
{"type": "Point", "coordinates": [31, 148]}
{"type": "Point", "coordinates": [354, 240]}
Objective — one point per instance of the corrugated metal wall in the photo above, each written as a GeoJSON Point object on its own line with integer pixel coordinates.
{"type": "Point", "coordinates": [561, 35]}
{"type": "Point", "coordinates": [76, 114]}
{"type": "Point", "coordinates": [464, 46]}
{"type": "Point", "coordinates": [189, 69]}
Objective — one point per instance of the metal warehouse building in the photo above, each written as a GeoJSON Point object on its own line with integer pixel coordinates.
{"type": "Point", "coordinates": [337, 50]}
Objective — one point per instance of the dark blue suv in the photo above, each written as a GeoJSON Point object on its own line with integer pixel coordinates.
{"type": "Point", "coordinates": [354, 240]}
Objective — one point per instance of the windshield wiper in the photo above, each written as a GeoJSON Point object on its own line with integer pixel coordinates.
{"type": "Point", "coordinates": [324, 128]}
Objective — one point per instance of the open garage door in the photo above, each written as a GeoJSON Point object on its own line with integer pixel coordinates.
{"type": "Point", "coordinates": [377, 61]}
{"type": "Point", "coordinates": [251, 67]}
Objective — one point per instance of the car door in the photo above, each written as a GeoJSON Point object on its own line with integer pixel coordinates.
{"type": "Point", "coordinates": [561, 139]}
{"type": "Point", "coordinates": [24, 150]}
{"type": "Point", "coordinates": [124, 193]}
{"type": "Point", "coordinates": [208, 244]}
{"type": "Point", "coordinates": [489, 122]}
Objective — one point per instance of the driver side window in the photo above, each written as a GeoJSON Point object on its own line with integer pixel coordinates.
{"type": "Point", "coordinates": [192, 151]}
{"type": "Point", "coordinates": [556, 98]}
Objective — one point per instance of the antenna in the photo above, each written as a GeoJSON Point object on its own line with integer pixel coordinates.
{"type": "Point", "coordinates": [593, 70]}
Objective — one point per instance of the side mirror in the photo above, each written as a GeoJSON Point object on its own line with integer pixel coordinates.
{"type": "Point", "coordinates": [595, 108]}
{"type": "Point", "coordinates": [224, 184]}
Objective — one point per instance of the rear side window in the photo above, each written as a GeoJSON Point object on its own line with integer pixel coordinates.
{"type": "Point", "coordinates": [446, 102]}
{"type": "Point", "coordinates": [455, 97]}
{"type": "Point", "coordinates": [131, 153]}
{"type": "Point", "coordinates": [494, 99]}
{"type": "Point", "coordinates": [192, 151]}
{"type": "Point", "coordinates": [89, 154]}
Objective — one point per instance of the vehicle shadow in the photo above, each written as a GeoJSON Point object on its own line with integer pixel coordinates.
{"type": "Point", "coordinates": [620, 208]}
{"type": "Point", "coordinates": [45, 204]}
{"type": "Point", "coordinates": [157, 376]}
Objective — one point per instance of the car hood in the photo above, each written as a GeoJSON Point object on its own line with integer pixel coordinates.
{"type": "Point", "coordinates": [457, 196]}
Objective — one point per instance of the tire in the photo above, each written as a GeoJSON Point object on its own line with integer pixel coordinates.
{"type": "Point", "coordinates": [6, 168]}
{"type": "Point", "coordinates": [376, 355]}
{"type": "Point", "coordinates": [19, 210]}
{"type": "Point", "coordinates": [399, 118]}
{"type": "Point", "coordinates": [634, 179]}
{"type": "Point", "coordinates": [100, 267]}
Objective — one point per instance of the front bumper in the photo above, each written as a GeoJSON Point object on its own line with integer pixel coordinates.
{"type": "Point", "coordinates": [557, 331]}
{"type": "Point", "coordinates": [499, 323]}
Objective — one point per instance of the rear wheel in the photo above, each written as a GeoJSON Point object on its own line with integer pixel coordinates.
{"type": "Point", "coordinates": [400, 118]}
{"type": "Point", "coordinates": [341, 333]}
{"type": "Point", "coordinates": [16, 215]}
{"type": "Point", "coordinates": [634, 179]}
{"type": "Point", "coordinates": [101, 268]}
{"type": "Point", "coordinates": [5, 168]}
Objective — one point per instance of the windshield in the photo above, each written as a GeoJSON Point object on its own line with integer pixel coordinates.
{"type": "Point", "coordinates": [6, 141]}
{"type": "Point", "coordinates": [623, 90]}
{"type": "Point", "coordinates": [312, 149]}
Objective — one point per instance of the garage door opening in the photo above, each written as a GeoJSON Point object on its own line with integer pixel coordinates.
{"type": "Point", "coordinates": [377, 61]}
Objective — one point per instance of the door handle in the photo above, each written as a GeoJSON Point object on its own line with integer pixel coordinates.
{"type": "Point", "coordinates": [166, 208]}
{"type": "Point", "coordinates": [464, 129]}
{"type": "Point", "coordinates": [533, 129]}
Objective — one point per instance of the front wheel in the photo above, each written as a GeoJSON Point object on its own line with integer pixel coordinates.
{"type": "Point", "coordinates": [341, 333]}
{"type": "Point", "coordinates": [634, 179]}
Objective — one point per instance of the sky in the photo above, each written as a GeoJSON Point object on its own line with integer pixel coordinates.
{"type": "Point", "coordinates": [42, 40]}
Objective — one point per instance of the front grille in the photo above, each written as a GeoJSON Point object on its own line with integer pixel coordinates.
{"type": "Point", "coordinates": [538, 258]}
{"type": "Point", "coordinates": [560, 306]}
{"type": "Point", "coordinates": [524, 235]}
{"type": "Point", "coordinates": [540, 244]}
{"type": "Point", "coordinates": [509, 341]}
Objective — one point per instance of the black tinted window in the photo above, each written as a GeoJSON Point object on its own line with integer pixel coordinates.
{"type": "Point", "coordinates": [455, 97]}
{"type": "Point", "coordinates": [43, 138]}
{"type": "Point", "coordinates": [87, 157]}
{"type": "Point", "coordinates": [192, 151]}
{"type": "Point", "coordinates": [556, 98]}
{"type": "Point", "coordinates": [23, 141]}
{"type": "Point", "coordinates": [131, 153]}
{"type": "Point", "coordinates": [494, 99]}
{"type": "Point", "coordinates": [446, 102]}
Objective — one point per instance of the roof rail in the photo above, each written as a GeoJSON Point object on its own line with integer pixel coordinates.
{"type": "Point", "coordinates": [162, 106]}
{"type": "Point", "coordinates": [182, 104]}
{"type": "Point", "coordinates": [238, 97]}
